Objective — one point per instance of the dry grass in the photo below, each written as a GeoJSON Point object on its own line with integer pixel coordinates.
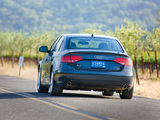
{"type": "Point", "coordinates": [148, 88]}
{"type": "Point", "coordinates": [29, 71]}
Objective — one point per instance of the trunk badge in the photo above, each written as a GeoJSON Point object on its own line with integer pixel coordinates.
{"type": "Point", "coordinates": [98, 57]}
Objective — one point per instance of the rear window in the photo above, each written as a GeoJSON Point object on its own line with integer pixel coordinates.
{"type": "Point", "coordinates": [95, 43]}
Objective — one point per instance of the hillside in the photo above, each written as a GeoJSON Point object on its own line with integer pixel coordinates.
{"type": "Point", "coordinates": [75, 15]}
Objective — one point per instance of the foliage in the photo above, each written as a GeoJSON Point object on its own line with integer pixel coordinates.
{"type": "Point", "coordinates": [134, 39]}
{"type": "Point", "coordinates": [2, 43]}
{"type": "Point", "coordinates": [130, 36]}
{"type": "Point", "coordinates": [27, 15]}
{"type": "Point", "coordinates": [25, 45]}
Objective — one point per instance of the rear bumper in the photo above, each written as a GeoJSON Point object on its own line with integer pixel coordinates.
{"type": "Point", "coordinates": [93, 81]}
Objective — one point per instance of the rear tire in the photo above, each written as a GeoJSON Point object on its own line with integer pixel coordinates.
{"type": "Point", "coordinates": [55, 90]}
{"type": "Point", "coordinates": [40, 88]}
{"type": "Point", "coordinates": [127, 94]}
{"type": "Point", "coordinates": [108, 93]}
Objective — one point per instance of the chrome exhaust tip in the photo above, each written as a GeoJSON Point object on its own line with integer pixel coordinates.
{"type": "Point", "coordinates": [125, 86]}
{"type": "Point", "coordinates": [69, 83]}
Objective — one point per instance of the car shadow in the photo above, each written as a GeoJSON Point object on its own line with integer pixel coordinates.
{"type": "Point", "coordinates": [17, 95]}
{"type": "Point", "coordinates": [10, 96]}
{"type": "Point", "coordinates": [64, 95]}
{"type": "Point", "coordinates": [72, 95]}
{"type": "Point", "coordinates": [81, 95]}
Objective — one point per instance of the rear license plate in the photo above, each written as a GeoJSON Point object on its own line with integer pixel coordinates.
{"type": "Point", "coordinates": [98, 64]}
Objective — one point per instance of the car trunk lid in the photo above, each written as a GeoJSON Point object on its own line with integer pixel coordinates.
{"type": "Point", "coordinates": [96, 60]}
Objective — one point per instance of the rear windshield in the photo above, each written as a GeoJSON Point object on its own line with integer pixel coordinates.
{"type": "Point", "coordinates": [95, 43]}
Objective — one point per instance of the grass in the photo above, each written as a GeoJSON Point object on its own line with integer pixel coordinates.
{"type": "Point", "coordinates": [28, 71]}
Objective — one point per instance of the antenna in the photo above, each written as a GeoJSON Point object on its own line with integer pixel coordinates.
{"type": "Point", "coordinates": [92, 35]}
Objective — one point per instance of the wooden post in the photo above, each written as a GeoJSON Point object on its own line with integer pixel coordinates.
{"type": "Point", "coordinates": [157, 67]}
{"type": "Point", "coordinates": [136, 69]}
{"type": "Point", "coordinates": [12, 58]}
{"type": "Point", "coordinates": [142, 64]}
{"type": "Point", "coordinates": [21, 54]}
{"type": "Point", "coordinates": [19, 70]}
{"type": "Point", "coordinates": [149, 64]}
{"type": "Point", "coordinates": [21, 59]}
{"type": "Point", "coordinates": [2, 60]}
{"type": "Point", "coordinates": [37, 56]}
{"type": "Point", "coordinates": [158, 71]}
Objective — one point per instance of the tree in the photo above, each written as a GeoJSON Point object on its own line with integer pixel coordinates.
{"type": "Point", "coordinates": [76, 15]}
{"type": "Point", "coordinates": [154, 40]}
{"type": "Point", "coordinates": [2, 45]}
{"type": "Point", "coordinates": [37, 40]}
{"type": "Point", "coordinates": [130, 36]}
{"type": "Point", "coordinates": [149, 48]}
{"type": "Point", "coordinates": [12, 43]}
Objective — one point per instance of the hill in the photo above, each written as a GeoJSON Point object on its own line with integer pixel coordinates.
{"type": "Point", "coordinates": [75, 15]}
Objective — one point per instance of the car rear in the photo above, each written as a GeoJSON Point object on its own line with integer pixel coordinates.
{"type": "Point", "coordinates": [95, 63]}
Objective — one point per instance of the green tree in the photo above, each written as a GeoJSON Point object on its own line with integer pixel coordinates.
{"type": "Point", "coordinates": [154, 40]}
{"type": "Point", "coordinates": [130, 36]}
{"type": "Point", "coordinates": [76, 15]}
{"type": "Point", "coordinates": [2, 45]}
{"type": "Point", "coordinates": [12, 43]}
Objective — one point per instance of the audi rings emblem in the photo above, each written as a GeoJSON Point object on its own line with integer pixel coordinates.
{"type": "Point", "coordinates": [98, 57]}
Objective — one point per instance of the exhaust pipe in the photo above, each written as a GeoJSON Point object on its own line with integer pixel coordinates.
{"type": "Point", "coordinates": [69, 83]}
{"type": "Point", "coordinates": [125, 86]}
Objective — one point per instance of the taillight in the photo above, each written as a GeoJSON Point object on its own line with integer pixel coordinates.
{"type": "Point", "coordinates": [124, 61]}
{"type": "Point", "coordinates": [71, 59]}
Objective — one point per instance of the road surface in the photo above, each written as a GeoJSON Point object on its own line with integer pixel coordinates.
{"type": "Point", "coordinates": [19, 100]}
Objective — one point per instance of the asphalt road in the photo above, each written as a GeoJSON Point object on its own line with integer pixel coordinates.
{"type": "Point", "coordinates": [19, 100]}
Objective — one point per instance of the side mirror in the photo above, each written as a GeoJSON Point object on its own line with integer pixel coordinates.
{"type": "Point", "coordinates": [43, 49]}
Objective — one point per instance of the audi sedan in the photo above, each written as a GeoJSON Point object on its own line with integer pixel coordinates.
{"type": "Point", "coordinates": [86, 62]}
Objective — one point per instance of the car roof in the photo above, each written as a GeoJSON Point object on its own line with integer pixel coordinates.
{"type": "Point", "coordinates": [88, 35]}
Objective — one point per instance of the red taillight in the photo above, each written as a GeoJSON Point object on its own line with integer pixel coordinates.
{"type": "Point", "coordinates": [124, 61]}
{"type": "Point", "coordinates": [71, 59]}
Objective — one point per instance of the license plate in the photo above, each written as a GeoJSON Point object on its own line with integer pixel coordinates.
{"type": "Point", "coordinates": [98, 64]}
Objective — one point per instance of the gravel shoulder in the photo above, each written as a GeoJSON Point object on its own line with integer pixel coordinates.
{"type": "Point", "coordinates": [147, 88]}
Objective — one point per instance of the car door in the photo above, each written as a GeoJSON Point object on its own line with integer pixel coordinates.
{"type": "Point", "coordinates": [56, 58]}
{"type": "Point", "coordinates": [46, 64]}
{"type": "Point", "coordinates": [44, 69]}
